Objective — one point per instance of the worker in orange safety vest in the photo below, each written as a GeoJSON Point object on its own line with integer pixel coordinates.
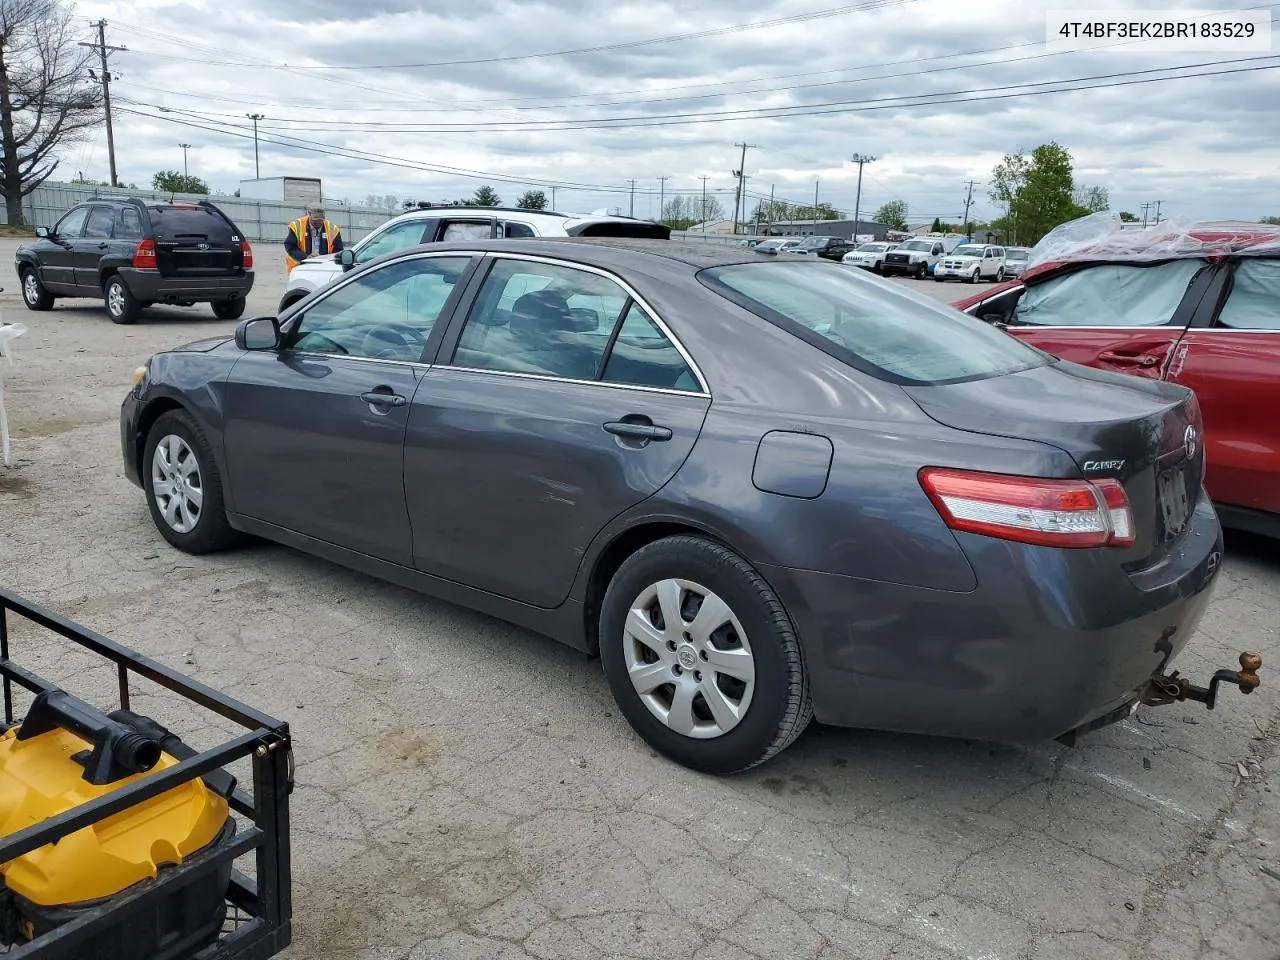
{"type": "Point", "coordinates": [311, 236]}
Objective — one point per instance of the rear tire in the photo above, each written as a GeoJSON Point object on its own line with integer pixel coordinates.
{"type": "Point", "coordinates": [34, 294]}
{"type": "Point", "coordinates": [183, 486]}
{"type": "Point", "coordinates": [720, 693]}
{"type": "Point", "coordinates": [122, 305]}
{"type": "Point", "coordinates": [229, 309]}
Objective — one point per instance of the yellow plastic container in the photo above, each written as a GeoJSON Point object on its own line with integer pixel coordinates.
{"type": "Point", "coordinates": [39, 779]}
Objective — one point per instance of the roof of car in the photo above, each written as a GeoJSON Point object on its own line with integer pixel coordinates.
{"type": "Point", "coordinates": [605, 249]}
{"type": "Point", "coordinates": [523, 213]}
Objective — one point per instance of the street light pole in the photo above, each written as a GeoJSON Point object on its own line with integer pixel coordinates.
{"type": "Point", "coordinates": [185, 147]}
{"type": "Point", "coordinates": [255, 117]}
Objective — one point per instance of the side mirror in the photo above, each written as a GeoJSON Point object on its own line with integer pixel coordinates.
{"type": "Point", "coordinates": [346, 258]}
{"type": "Point", "coordinates": [42, 232]}
{"type": "Point", "coordinates": [996, 318]}
{"type": "Point", "coordinates": [260, 333]}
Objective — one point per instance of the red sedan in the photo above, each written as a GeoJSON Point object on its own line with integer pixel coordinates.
{"type": "Point", "coordinates": [1200, 308]}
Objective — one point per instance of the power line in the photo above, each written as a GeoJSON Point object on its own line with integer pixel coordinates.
{"type": "Point", "coordinates": [940, 98]}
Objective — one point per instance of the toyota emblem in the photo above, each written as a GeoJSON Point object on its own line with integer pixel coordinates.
{"type": "Point", "coordinates": [1189, 441]}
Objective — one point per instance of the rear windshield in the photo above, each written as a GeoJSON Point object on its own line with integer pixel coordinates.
{"type": "Point", "coordinates": [875, 325]}
{"type": "Point", "coordinates": [1016, 254]}
{"type": "Point", "coordinates": [178, 221]}
{"type": "Point", "coordinates": [1110, 295]}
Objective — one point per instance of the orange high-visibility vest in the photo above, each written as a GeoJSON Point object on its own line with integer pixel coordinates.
{"type": "Point", "coordinates": [301, 230]}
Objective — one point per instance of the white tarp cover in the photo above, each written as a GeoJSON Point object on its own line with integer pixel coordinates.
{"type": "Point", "coordinates": [1100, 236]}
{"type": "Point", "coordinates": [8, 333]}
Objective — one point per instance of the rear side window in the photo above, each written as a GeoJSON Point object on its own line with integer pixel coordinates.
{"type": "Point", "coordinates": [879, 327]}
{"type": "Point", "coordinates": [1254, 302]}
{"type": "Point", "coordinates": [1110, 295]}
{"type": "Point", "coordinates": [129, 225]}
{"type": "Point", "coordinates": [188, 221]}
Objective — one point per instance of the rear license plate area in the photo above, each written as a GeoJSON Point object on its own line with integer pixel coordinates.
{"type": "Point", "coordinates": [1173, 495]}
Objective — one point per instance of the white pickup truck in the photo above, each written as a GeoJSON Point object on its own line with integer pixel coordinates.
{"type": "Point", "coordinates": [972, 262]}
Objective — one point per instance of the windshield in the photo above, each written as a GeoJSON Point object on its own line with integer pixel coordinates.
{"type": "Point", "coordinates": [1109, 295]}
{"type": "Point", "coordinates": [925, 245]}
{"type": "Point", "coordinates": [967, 250]}
{"type": "Point", "coordinates": [873, 248]}
{"type": "Point", "coordinates": [813, 243]}
{"type": "Point", "coordinates": [1016, 254]}
{"type": "Point", "coordinates": [877, 326]}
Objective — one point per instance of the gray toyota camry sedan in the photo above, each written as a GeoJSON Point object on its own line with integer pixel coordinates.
{"type": "Point", "coordinates": [763, 489]}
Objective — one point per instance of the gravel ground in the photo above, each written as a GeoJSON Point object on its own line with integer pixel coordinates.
{"type": "Point", "coordinates": [467, 790]}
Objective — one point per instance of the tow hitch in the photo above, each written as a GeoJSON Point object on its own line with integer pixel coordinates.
{"type": "Point", "coordinates": [1165, 688]}
{"type": "Point", "coordinates": [1171, 688]}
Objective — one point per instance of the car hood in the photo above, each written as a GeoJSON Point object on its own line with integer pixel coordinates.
{"type": "Point", "coordinates": [201, 346]}
{"type": "Point", "coordinates": [325, 260]}
{"type": "Point", "coordinates": [963, 258]}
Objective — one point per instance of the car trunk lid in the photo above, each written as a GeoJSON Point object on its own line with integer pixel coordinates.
{"type": "Point", "coordinates": [195, 242]}
{"type": "Point", "coordinates": [1145, 434]}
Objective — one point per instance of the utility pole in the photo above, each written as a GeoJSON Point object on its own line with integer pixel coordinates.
{"type": "Point", "coordinates": [703, 218]}
{"type": "Point", "coordinates": [662, 196]}
{"type": "Point", "coordinates": [771, 209]}
{"type": "Point", "coordinates": [968, 200]}
{"type": "Point", "coordinates": [815, 209]}
{"type": "Point", "coordinates": [1145, 207]}
{"type": "Point", "coordinates": [739, 200]}
{"type": "Point", "coordinates": [103, 49]}
{"type": "Point", "coordinates": [255, 117]}
{"type": "Point", "coordinates": [859, 159]}
{"type": "Point", "coordinates": [185, 147]}
{"type": "Point", "coordinates": [553, 198]}
{"type": "Point", "coordinates": [1158, 203]}
{"type": "Point", "coordinates": [632, 209]}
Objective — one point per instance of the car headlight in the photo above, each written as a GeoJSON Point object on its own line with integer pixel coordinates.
{"type": "Point", "coordinates": [140, 375]}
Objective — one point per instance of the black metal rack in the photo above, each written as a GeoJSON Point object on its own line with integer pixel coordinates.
{"type": "Point", "coordinates": [264, 903]}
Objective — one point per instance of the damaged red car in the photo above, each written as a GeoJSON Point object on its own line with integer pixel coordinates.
{"type": "Point", "coordinates": [1194, 304]}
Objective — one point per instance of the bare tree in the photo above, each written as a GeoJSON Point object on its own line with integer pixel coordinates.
{"type": "Point", "coordinates": [47, 99]}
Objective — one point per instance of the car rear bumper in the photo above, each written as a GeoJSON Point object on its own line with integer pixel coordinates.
{"type": "Point", "coordinates": [1049, 640]}
{"type": "Point", "coordinates": [150, 285]}
{"type": "Point", "coordinates": [130, 411]}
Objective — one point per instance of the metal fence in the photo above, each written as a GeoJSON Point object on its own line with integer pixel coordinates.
{"type": "Point", "coordinates": [257, 219]}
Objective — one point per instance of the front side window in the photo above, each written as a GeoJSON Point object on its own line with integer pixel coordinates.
{"type": "Point", "coordinates": [1254, 301]}
{"type": "Point", "coordinates": [101, 220]}
{"type": "Point", "coordinates": [1109, 295]}
{"type": "Point", "coordinates": [386, 314]}
{"type": "Point", "coordinates": [879, 327]}
{"type": "Point", "coordinates": [560, 321]}
{"type": "Point", "coordinates": [400, 236]}
{"type": "Point", "coordinates": [71, 225]}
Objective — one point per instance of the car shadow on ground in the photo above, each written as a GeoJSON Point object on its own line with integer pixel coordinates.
{"type": "Point", "coordinates": [151, 316]}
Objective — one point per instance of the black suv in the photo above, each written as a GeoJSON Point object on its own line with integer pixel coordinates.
{"type": "Point", "coordinates": [133, 254]}
{"type": "Point", "coordinates": [830, 248]}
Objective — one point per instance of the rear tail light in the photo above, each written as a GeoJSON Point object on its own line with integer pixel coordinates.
{"type": "Point", "coordinates": [246, 255]}
{"type": "Point", "coordinates": [1048, 513]}
{"type": "Point", "coordinates": [144, 254]}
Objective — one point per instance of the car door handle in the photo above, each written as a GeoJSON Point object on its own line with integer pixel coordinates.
{"type": "Point", "coordinates": [103, 246]}
{"type": "Point", "coordinates": [382, 399]}
{"type": "Point", "coordinates": [638, 429]}
{"type": "Point", "coordinates": [1128, 360]}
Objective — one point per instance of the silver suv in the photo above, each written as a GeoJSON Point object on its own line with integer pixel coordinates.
{"type": "Point", "coordinates": [435, 224]}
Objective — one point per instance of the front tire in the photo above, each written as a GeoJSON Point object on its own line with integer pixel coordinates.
{"type": "Point", "coordinates": [999, 277]}
{"type": "Point", "coordinates": [701, 656]}
{"type": "Point", "coordinates": [183, 487]}
{"type": "Point", "coordinates": [122, 305]}
{"type": "Point", "coordinates": [34, 294]}
{"type": "Point", "coordinates": [973, 277]}
{"type": "Point", "coordinates": [229, 309]}
{"type": "Point", "coordinates": [922, 271]}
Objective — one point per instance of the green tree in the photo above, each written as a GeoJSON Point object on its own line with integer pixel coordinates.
{"type": "Point", "coordinates": [936, 226]}
{"type": "Point", "coordinates": [825, 212]}
{"type": "Point", "coordinates": [532, 200]}
{"type": "Point", "coordinates": [1271, 220]}
{"type": "Point", "coordinates": [893, 215]}
{"type": "Point", "coordinates": [1007, 180]}
{"type": "Point", "coordinates": [171, 181]}
{"type": "Point", "coordinates": [1127, 217]}
{"type": "Point", "coordinates": [485, 196]}
{"type": "Point", "coordinates": [769, 211]}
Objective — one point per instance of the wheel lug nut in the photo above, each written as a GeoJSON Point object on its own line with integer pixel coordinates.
{"type": "Point", "coordinates": [702, 654]}
{"type": "Point", "coordinates": [671, 645]}
{"type": "Point", "coordinates": [688, 638]}
{"type": "Point", "coordinates": [697, 675]}
{"type": "Point", "coordinates": [676, 670]}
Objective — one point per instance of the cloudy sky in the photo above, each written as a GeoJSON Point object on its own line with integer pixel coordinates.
{"type": "Point", "coordinates": [429, 100]}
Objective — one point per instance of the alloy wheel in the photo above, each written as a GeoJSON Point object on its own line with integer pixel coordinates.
{"type": "Point", "coordinates": [31, 287]}
{"type": "Point", "coordinates": [115, 299]}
